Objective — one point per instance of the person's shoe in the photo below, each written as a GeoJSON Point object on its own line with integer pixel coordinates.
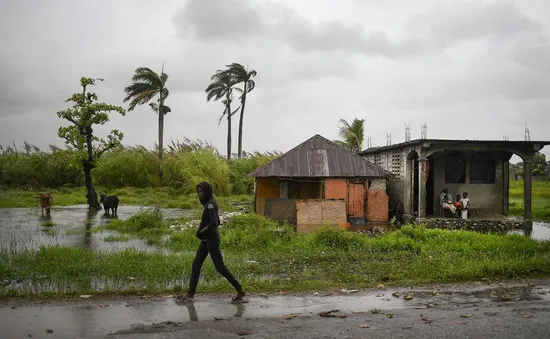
{"type": "Point", "coordinates": [186, 297]}
{"type": "Point", "coordinates": [240, 295]}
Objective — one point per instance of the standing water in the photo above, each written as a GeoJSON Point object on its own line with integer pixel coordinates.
{"type": "Point", "coordinates": [26, 229]}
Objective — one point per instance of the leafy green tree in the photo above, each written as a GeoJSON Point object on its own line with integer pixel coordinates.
{"type": "Point", "coordinates": [242, 75]}
{"type": "Point", "coordinates": [222, 86]}
{"type": "Point", "coordinates": [146, 85]}
{"type": "Point", "coordinates": [352, 135]}
{"type": "Point", "coordinates": [539, 164]}
{"type": "Point", "coordinates": [85, 113]}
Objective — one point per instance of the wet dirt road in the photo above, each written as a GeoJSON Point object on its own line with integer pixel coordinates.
{"type": "Point", "coordinates": [482, 310]}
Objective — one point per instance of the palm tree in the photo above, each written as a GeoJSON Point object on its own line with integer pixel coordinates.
{"type": "Point", "coordinates": [146, 85]}
{"type": "Point", "coordinates": [244, 76]}
{"type": "Point", "coordinates": [222, 87]}
{"type": "Point", "coordinates": [352, 135]}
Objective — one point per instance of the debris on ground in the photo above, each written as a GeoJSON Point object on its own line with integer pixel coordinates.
{"type": "Point", "coordinates": [396, 294]}
{"type": "Point", "coordinates": [330, 314]}
{"type": "Point", "coordinates": [49, 331]}
{"type": "Point", "coordinates": [344, 290]}
{"type": "Point", "coordinates": [380, 286]}
{"type": "Point", "coordinates": [408, 297]}
{"type": "Point", "coordinates": [289, 316]}
{"type": "Point", "coordinates": [364, 326]}
{"type": "Point", "coordinates": [406, 327]}
{"type": "Point", "coordinates": [467, 315]}
{"type": "Point", "coordinates": [316, 293]}
{"type": "Point", "coordinates": [85, 296]}
{"type": "Point", "coordinates": [427, 320]}
{"type": "Point", "coordinates": [243, 332]}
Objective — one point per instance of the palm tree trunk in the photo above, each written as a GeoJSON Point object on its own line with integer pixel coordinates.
{"type": "Point", "coordinates": [241, 119]}
{"type": "Point", "coordinates": [228, 108]}
{"type": "Point", "coordinates": [161, 137]}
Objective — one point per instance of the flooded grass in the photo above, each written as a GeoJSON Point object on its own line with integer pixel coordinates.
{"type": "Point", "coordinates": [541, 199]}
{"type": "Point", "coordinates": [267, 257]}
{"type": "Point", "coordinates": [163, 197]}
{"type": "Point", "coordinates": [116, 238]}
{"type": "Point", "coordinates": [48, 223]}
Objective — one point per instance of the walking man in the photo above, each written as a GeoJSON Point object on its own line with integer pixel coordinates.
{"type": "Point", "coordinates": [209, 244]}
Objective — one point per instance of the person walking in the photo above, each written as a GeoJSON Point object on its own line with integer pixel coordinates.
{"type": "Point", "coordinates": [209, 244]}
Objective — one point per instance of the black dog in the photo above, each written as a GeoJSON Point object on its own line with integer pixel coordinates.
{"type": "Point", "coordinates": [109, 203]}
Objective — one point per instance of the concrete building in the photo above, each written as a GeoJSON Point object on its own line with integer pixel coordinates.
{"type": "Point", "coordinates": [421, 169]}
{"type": "Point", "coordinates": [320, 182]}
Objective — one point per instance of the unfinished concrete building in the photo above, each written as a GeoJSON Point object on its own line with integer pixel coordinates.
{"type": "Point", "coordinates": [320, 182]}
{"type": "Point", "coordinates": [421, 169]}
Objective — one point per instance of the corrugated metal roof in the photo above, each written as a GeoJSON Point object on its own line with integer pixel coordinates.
{"type": "Point", "coordinates": [320, 157]}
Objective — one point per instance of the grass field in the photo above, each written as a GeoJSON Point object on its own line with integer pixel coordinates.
{"type": "Point", "coordinates": [163, 197]}
{"type": "Point", "coordinates": [266, 257]}
{"type": "Point", "coordinates": [541, 199]}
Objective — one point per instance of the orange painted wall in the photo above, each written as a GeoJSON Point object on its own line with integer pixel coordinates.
{"type": "Point", "coordinates": [336, 189]}
{"type": "Point", "coordinates": [266, 188]}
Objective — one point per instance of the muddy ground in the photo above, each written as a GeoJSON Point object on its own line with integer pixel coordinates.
{"type": "Point", "coordinates": [517, 309]}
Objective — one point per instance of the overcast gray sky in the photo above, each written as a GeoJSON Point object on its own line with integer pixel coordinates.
{"type": "Point", "coordinates": [466, 68]}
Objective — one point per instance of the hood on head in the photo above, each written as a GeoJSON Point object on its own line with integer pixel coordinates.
{"type": "Point", "coordinates": [207, 191]}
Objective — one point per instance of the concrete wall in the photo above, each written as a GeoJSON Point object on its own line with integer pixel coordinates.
{"type": "Point", "coordinates": [314, 213]}
{"type": "Point", "coordinates": [485, 199]}
{"type": "Point", "coordinates": [281, 210]}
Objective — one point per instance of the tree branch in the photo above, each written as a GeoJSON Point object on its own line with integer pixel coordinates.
{"type": "Point", "coordinates": [99, 153]}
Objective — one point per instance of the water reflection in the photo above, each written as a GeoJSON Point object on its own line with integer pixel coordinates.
{"type": "Point", "coordinates": [23, 228]}
{"type": "Point", "coordinates": [193, 316]}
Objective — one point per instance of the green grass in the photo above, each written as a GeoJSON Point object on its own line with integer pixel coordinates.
{"type": "Point", "coordinates": [48, 223]}
{"type": "Point", "coordinates": [541, 199]}
{"type": "Point", "coordinates": [163, 197]}
{"type": "Point", "coordinates": [283, 260]}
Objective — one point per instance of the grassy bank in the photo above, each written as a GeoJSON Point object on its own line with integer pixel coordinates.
{"type": "Point", "coordinates": [541, 199]}
{"type": "Point", "coordinates": [268, 258]}
{"type": "Point", "coordinates": [163, 197]}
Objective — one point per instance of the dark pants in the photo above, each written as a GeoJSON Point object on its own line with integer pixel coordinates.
{"type": "Point", "coordinates": [212, 247]}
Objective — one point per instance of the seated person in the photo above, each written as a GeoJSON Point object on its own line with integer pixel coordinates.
{"type": "Point", "coordinates": [458, 202]}
{"type": "Point", "coordinates": [446, 201]}
{"type": "Point", "coordinates": [465, 205]}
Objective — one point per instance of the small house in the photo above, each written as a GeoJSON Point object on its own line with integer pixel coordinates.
{"type": "Point", "coordinates": [319, 182]}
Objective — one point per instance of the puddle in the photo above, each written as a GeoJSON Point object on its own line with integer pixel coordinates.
{"type": "Point", "coordinates": [540, 231]}
{"type": "Point", "coordinates": [101, 317]}
{"type": "Point", "coordinates": [21, 228]}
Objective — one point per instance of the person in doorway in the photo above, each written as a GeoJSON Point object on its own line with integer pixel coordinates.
{"type": "Point", "coordinates": [209, 244]}
{"type": "Point", "coordinates": [446, 202]}
{"type": "Point", "coordinates": [465, 205]}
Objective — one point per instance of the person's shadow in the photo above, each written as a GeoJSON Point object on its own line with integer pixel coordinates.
{"type": "Point", "coordinates": [193, 311]}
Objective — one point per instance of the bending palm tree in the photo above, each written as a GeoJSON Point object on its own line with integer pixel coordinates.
{"type": "Point", "coordinates": [242, 75]}
{"type": "Point", "coordinates": [146, 84]}
{"type": "Point", "coordinates": [222, 87]}
{"type": "Point", "coordinates": [352, 135]}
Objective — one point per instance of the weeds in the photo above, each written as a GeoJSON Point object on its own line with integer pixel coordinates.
{"type": "Point", "coordinates": [269, 257]}
{"type": "Point", "coordinates": [48, 223]}
{"type": "Point", "coordinates": [116, 238]}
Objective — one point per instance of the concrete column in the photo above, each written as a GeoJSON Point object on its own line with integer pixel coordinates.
{"type": "Point", "coordinates": [527, 189]}
{"type": "Point", "coordinates": [506, 187]}
{"type": "Point", "coordinates": [422, 178]}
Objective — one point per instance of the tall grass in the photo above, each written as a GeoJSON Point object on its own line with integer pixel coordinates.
{"type": "Point", "coordinates": [186, 164]}
{"type": "Point", "coordinates": [541, 199]}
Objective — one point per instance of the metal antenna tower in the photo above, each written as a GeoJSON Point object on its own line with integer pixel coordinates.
{"type": "Point", "coordinates": [388, 139]}
{"type": "Point", "coordinates": [369, 142]}
{"type": "Point", "coordinates": [407, 132]}
{"type": "Point", "coordinates": [527, 133]}
{"type": "Point", "coordinates": [424, 131]}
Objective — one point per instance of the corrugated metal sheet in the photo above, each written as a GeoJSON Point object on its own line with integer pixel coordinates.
{"type": "Point", "coordinates": [356, 200]}
{"type": "Point", "coordinates": [320, 157]}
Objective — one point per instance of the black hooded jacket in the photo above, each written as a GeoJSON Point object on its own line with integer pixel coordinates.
{"type": "Point", "coordinates": [210, 217]}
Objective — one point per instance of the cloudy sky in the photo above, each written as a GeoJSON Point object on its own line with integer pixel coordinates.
{"type": "Point", "coordinates": [467, 68]}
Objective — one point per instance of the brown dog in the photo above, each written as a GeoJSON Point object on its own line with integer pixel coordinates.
{"type": "Point", "coordinates": [46, 202]}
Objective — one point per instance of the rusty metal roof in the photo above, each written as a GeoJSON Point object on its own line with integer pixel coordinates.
{"type": "Point", "coordinates": [320, 157]}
